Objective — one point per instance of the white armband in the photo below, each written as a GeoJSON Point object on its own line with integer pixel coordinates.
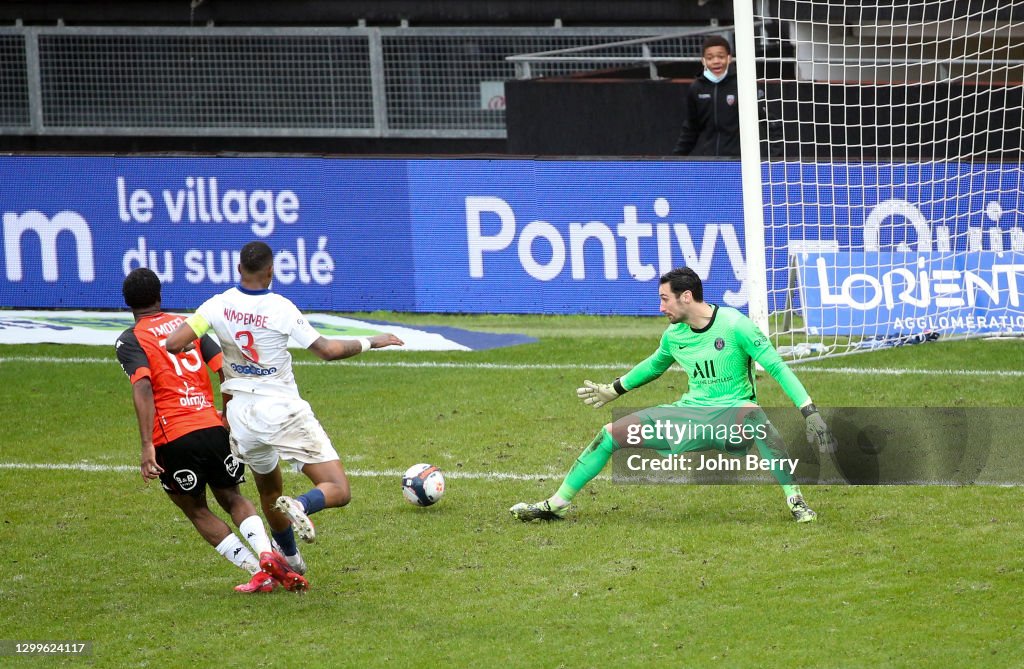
{"type": "Point", "coordinates": [364, 343]}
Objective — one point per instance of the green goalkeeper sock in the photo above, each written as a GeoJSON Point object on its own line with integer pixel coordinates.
{"type": "Point", "coordinates": [772, 447]}
{"type": "Point", "coordinates": [590, 463]}
{"type": "Point", "coordinates": [791, 490]}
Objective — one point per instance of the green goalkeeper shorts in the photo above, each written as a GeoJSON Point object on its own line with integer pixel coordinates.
{"type": "Point", "coordinates": [672, 429]}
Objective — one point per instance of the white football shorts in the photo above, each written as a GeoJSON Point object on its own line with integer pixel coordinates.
{"type": "Point", "coordinates": [267, 429]}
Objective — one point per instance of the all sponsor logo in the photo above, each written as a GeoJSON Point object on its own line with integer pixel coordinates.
{"type": "Point", "coordinates": [705, 370]}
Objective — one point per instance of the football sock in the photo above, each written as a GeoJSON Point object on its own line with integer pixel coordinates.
{"type": "Point", "coordinates": [588, 465]}
{"type": "Point", "coordinates": [254, 532]}
{"type": "Point", "coordinates": [286, 540]}
{"type": "Point", "coordinates": [770, 446]}
{"type": "Point", "coordinates": [238, 554]}
{"type": "Point", "coordinates": [557, 501]}
{"type": "Point", "coordinates": [791, 490]}
{"type": "Point", "coordinates": [312, 501]}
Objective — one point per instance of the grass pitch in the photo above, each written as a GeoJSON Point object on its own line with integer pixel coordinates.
{"type": "Point", "coordinates": [680, 576]}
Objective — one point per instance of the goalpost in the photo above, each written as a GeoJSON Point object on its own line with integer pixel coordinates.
{"type": "Point", "coordinates": [882, 170]}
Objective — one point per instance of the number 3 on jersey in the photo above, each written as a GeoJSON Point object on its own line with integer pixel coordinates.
{"type": "Point", "coordinates": [245, 343]}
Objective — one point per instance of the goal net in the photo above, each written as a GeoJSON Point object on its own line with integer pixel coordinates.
{"type": "Point", "coordinates": [890, 167]}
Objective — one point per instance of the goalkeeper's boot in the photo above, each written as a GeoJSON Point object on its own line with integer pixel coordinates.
{"type": "Point", "coordinates": [275, 565]}
{"type": "Point", "coordinates": [261, 581]}
{"type": "Point", "coordinates": [801, 512]}
{"type": "Point", "coordinates": [539, 511]}
{"type": "Point", "coordinates": [296, 562]}
{"type": "Point", "coordinates": [300, 521]}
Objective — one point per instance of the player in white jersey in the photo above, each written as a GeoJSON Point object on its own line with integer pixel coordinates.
{"type": "Point", "coordinates": [269, 421]}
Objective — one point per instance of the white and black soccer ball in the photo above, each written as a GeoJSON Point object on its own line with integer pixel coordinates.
{"type": "Point", "coordinates": [423, 484]}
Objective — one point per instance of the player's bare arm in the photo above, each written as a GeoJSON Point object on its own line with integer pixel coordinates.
{"type": "Point", "coordinates": [142, 397]}
{"type": "Point", "coordinates": [338, 349]}
{"type": "Point", "coordinates": [181, 339]}
{"type": "Point", "coordinates": [224, 399]}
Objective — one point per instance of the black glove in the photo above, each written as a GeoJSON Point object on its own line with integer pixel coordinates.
{"type": "Point", "coordinates": [817, 432]}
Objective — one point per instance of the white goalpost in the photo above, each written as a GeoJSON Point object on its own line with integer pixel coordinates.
{"type": "Point", "coordinates": [882, 170]}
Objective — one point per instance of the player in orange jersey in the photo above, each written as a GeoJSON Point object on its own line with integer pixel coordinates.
{"type": "Point", "coordinates": [184, 442]}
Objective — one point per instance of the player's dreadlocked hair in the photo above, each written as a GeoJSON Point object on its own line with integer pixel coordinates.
{"type": "Point", "coordinates": [682, 279]}
{"type": "Point", "coordinates": [256, 257]}
{"type": "Point", "coordinates": [141, 288]}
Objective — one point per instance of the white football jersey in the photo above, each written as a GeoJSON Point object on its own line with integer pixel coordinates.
{"type": "Point", "coordinates": [253, 328]}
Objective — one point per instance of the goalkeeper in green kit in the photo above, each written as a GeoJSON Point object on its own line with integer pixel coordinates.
{"type": "Point", "coordinates": [717, 347]}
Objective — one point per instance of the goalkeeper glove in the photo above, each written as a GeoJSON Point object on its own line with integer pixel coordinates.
{"type": "Point", "coordinates": [599, 394]}
{"type": "Point", "coordinates": [817, 431]}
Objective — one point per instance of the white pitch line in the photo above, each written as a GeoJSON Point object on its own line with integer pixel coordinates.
{"type": "Point", "coordinates": [906, 371]}
{"type": "Point", "coordinates": [357, 473]}
{"type": "Point", "coordinates": [359, 363]}
{"type": "Point", "coordinates": [804, 368]}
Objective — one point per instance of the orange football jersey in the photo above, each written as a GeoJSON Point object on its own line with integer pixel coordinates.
{"type": "Point", "coordinates": [182, 392]}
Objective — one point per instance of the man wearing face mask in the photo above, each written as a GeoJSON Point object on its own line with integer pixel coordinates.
{"type": "Point", "coordinates": [712, 125]}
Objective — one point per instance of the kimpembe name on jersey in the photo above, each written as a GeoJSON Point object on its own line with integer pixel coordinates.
{"type": "Point", "coordinates": [716, 462]}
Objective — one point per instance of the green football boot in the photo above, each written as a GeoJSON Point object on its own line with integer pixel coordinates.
{"type": "Point", "coordinates": [539, 511]}
{"type": "Point", "coordinates": [801, 512]}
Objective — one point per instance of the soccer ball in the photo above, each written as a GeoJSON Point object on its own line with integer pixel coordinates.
{"type": "Point", "coordinates": [423, 484]}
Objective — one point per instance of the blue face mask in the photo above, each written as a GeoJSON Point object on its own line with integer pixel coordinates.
{"type": "Point", "coordinates": [712, 78]}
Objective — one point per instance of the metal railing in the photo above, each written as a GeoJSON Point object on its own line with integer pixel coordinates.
{"type": "Point", "coordinates": [329, 82]}
{"type": "Point", "coordinates": [649, 51]}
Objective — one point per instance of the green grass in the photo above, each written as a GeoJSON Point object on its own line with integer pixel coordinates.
{"type": "Point", "coordinates": [679, 576]}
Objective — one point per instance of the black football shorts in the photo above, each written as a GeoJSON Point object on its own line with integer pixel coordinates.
{"type": "Point", "coordinates": [197, 459]}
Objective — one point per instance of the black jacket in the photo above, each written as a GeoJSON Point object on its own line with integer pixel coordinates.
{"type": "Point", "coordinates": [712, 125]}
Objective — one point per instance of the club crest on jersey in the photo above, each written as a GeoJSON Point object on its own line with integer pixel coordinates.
{"type": "Point", "coordinates": [719, 344]}
{"type": "Point", "coordinates": [730, 100]}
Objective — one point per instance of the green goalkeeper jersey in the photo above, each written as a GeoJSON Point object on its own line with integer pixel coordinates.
{"type": "Point", "coordinates": [719, 359]}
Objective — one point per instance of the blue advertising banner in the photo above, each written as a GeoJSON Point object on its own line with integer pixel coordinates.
{"type": "Point", "coordinates": [355, 235]}
{"type": "Point", "coordinates": [571, 237]}
{"type": "Point", "coordinates": [950, 208]}
{"type": "Point", "coordinates": [74, 227]}
{"type": "Point", "coordinates": [472, 235]}
{"type": "Point", "coordinates": [910, 293]}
